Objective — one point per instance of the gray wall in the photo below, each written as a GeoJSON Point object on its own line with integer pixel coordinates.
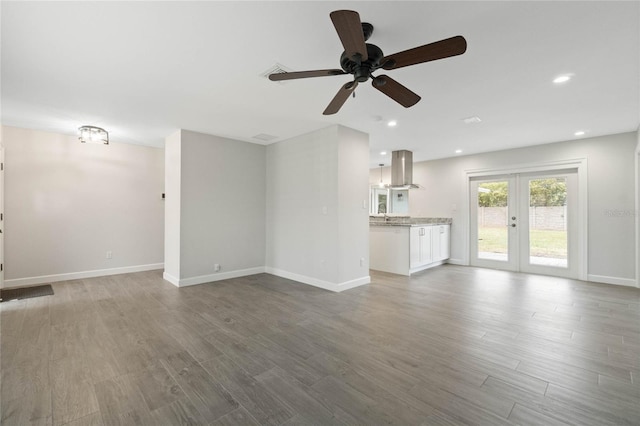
{"type": "Point", "coordinates": [611, 194]}
{"type": "Point", "coordinates": [68, 203]}
{"type": "Point", "coordinates": [221, 205]}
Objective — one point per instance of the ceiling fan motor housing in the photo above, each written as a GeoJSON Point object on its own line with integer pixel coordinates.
{"type": "Point", "coordinates": [362, 70]}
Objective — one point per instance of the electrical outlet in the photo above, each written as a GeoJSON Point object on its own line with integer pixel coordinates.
{"type": "Point", "coordinates": [216, 267]}
{"type": "Point", "coordinates": [109, 254]}
{"type": "Point", "coordinates": [362, 261]}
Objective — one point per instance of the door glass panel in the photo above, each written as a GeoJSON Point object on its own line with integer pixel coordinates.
{"type": "Point", "coordinates": [548, 222]}
{"type": "Point", "coordinates": [493, 215]}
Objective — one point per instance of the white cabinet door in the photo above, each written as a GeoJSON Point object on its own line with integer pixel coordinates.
{"type": "Point", "coordinates": [421, 249]}
{"type": "Point", "coordinates": [436, 243]}
{"type": "Point", "coordinates": [445, 242]}
{"type": "Point", "coordinates": [426, 246]}
{"type": "Point", "coordinates": [415, 236]}
{"type": "Point", "coordinates": [441, 244]}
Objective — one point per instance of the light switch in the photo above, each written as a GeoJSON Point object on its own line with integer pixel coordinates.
{"type": "Point", "coordinates": [324, 210]}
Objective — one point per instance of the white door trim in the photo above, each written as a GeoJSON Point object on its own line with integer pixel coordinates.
{"type": "Point", "coordinates": [580, 164]}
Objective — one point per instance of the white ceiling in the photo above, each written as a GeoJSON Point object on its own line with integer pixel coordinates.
{"type": "Point", "coordinates": [144, 69]}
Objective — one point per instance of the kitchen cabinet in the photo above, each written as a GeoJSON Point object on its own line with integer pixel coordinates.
{"type": "Point", "coordinates": [407, 248]}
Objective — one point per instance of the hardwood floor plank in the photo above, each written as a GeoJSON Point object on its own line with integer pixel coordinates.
{"type": "Point", "coordinates": [198, 347]}
{"type": "Point", "coordinates": [296, 395]}
{"type": "Point", "coordinates": [299, 369]}
{"type": "Point", "coordinates": [72, 390]}
{"type": "Point", "coordinates": [525, 416]}
{"type": "Point", "coordinates": [391, 398]}
{"type": "Point", "coordinates": [93, 419]}
{"type": "Point", "coordinates": [29, 374]}
{"type": "Point", "coordinates": [205, 392]}
{"type": "Point", "coordinates": [336, 394]}
{"type": "Point", "coordinates": [33, 409]}
{"type": "Point", "coordinates": [253, 396]}
{"type": "Point", "coordinates": [622, 414]}
{"type": "Point", "coordinates": [542, 405]}
{"type": "Point", "coordinates": [179, 412]}
{"type": "Point", "coordinates": [235, 348]}
{"type": "Point", "coordinates": [157, 387]}
{"type": "Point", "coordinates": [238, 417]}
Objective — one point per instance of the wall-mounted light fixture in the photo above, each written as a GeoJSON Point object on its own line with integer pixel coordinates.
{"type": "Point", "coordinates": [92, 134]}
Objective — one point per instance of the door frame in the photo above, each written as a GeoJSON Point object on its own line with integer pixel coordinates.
{"type": "Point", "coordinates": [580, 164]}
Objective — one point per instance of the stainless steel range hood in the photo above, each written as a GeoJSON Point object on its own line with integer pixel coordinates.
{"type": "Point", "coordinates": [402, 170]}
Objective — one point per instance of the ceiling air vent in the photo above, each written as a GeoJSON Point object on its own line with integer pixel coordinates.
{"type": "Point", "coordinates": [276, 69]}
{"type": "Point", "coordinates": [472, 120]}
{"type": "Point", "coordinates": [265, 137]}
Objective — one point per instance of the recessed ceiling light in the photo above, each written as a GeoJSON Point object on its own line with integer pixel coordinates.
{"type": "Point", "coordinates": [579, 133]}
{"type": "Point", "coordinates": [562, 78]}
{"type": "Point", "coordinates": [458, 151]}
{"type": "Point", "coordinates": [383, 152]}
{"type": "Point", "coordinates": [392, 123]}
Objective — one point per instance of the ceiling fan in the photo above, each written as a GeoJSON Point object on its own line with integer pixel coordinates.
{"type": "Point", "coordinates": [361, 59]}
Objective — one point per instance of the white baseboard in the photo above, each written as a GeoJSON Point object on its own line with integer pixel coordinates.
{"type": "Point", "coordinates": [184, 282]}
{"type": "Point", "coordinates": [20, 282]}
{"type": "Point", "coordinates": [424, 267]}
{"type": "Point", "coordinates": [327, 285]}
{"type": "Point", "coordinates": [173, 280]}
{"type": "Point", "coordinates": [457, 262]}
{"type": "Point", "coordinates": [628, 282]}
{"type": "Point", "coordinates": [353, 283]}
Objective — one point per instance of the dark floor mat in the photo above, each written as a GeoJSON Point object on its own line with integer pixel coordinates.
{"type": "Point", "coordinates": [25, 292]}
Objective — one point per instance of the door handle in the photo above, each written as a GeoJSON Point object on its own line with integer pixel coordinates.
{"type": "Point", "coordinates": [513, 225]}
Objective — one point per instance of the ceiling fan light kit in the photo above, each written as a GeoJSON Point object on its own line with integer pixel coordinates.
{"type": "Point", "coordinates": [362, 59]}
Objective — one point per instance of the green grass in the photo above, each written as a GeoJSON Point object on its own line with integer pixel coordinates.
{"type": "Point", "coordinates": [543, 243]}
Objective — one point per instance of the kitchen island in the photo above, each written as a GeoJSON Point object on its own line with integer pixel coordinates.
{"type": "Point", "coordinates": [405, 245]}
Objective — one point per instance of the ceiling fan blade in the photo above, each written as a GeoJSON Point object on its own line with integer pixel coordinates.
{"type": "Point", "coordinates": [395, 91]}
{"type": "Point", "coordinates": [279, 76]}
{"type": "Point", "coordinates": [429, 52]}
{"type": "Point", "coordinates": [340, 98]}
{"type": "Point", "coordinates": [349, 28]}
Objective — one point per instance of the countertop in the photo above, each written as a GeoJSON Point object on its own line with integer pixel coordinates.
{"type": "Point", "coordinates": [408, 221]}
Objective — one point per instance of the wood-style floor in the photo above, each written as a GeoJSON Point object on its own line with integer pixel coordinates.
{"type": "Point", "coordinates": [451, 345]}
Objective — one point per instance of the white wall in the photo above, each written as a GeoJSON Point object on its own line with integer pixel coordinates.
{"type": "Point", "coordinates": [172, 158]}
{"type": "Point", "coordinates": [67, 204]}
{"type": "Point", "coordinates": [637, 205]}
{"type": "Point", "coordinates": [611, 184]}
{"type": "Point", "coordinates": [353, 204]}
{"type": "Point", "coordinates": [221, 202]}
{"type": "Point", "coordinates": [317, 228]}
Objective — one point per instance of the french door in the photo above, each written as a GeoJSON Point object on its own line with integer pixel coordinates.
{"type": "Point", "coordinates": [526, 222]}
